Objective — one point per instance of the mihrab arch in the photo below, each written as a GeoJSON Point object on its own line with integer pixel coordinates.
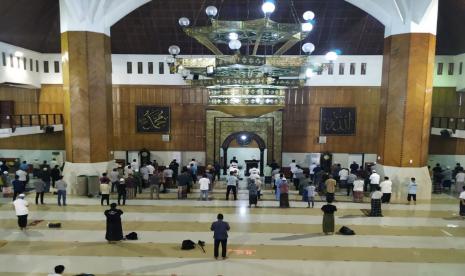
{"type": "Point", "coordinates": [253, 136]}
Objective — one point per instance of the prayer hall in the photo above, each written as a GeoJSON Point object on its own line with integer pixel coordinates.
{"type": "Point", "coordinates": [232, 137]}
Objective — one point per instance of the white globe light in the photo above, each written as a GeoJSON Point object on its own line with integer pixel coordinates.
{"type": "Point", "coordinates": [268, 7]}
{"type": "Point", "coordinates": [331, 56]}
{"type": "Point", "coordinates": [308, 15]}
{"type": "Point", "coordinates": [243, 137]}
{"type": "Point", "coordinates": [307, 27]}
{"type": "Point", "coordinates": [211, 11]}
{"type": "Point", "coordinates": [308, 48]}
{"type": "Point", "coordinates": [235, 44]}
{"type": "Point", "coordinates": [184, 21]}
{"type": "Point", "coordinates": [174, 50]}
{"type": "Point", "coordinates": [309, 73]}
{"type": "Point", "coordinates": [233, 36]}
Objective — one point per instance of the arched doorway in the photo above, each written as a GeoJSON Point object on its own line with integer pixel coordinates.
{"type": "Point", "coordinates": [243, 136]}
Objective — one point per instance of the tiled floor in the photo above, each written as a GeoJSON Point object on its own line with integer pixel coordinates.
{"type": "Point", "coordinates": [426, 239]}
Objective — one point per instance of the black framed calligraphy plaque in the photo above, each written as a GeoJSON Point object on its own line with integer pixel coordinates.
{"type": "Point", "coordinates": [153, 119]}
{"type": "Point", "coordinates": [337, 121]}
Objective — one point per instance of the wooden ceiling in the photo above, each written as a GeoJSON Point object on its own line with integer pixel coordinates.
{"type": "Point", "coordinates": [153, 27]}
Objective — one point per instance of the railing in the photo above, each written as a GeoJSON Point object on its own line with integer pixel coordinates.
{"type": "Point", "coordinates": [448, 122]}
{"type": "Point", "coordinates": [27, 120]}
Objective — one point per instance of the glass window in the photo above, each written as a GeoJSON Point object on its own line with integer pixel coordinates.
{"type": "Point", "coordinates": [440, 67]}
{"type": "Point", "coordinates": [37, 65]}
{"type": "Point", "coordinates": [161, 68]}
{"type": "Point", "coordinates": [450, 71]}
{"type": "Point", "coordinates": [150, 67]}
{"type": "Point", "coordinates": [352, 68]}
{"type": "Point", "coordinates": [25, 63]}
{"type": "Point", "coordinates": [3, 59]}
{"type": "Point", "coordinates": [341, 68]}
{"type": "Point", "coordinates": [363, 69]}
{"type": "Point", "coordinates": [330, 68]}
{"type": "Point", "coordinates": [129, 67]}
{"type": "Point", "coordinates": [11, 60]}
{"type": "Point", "coordinates": [31, 64]}
{"type": "Point", "coordinates": [460, 68]}
{"type": "Point", "coordinates": [139, 68]}
{"type": "Point", "coordinates": [56, 65]}
{"type": "Point", "coordinates": [18, 61]}
{"type": "Point", "coordinates": [45, 66]}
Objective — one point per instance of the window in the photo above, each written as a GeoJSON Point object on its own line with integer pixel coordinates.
{"type": "Point", "coordinates": [37, 65]}
{"type": "Point", "coordinates": [56, 65]}
{"type": "Point", "coordinates": [25, 63]}
{"type": "Point", "coordinates": [363, 69]}
{"type": "Point", "coordinates": [352, 68]}
{"type": "Point", "coordinates": [31, 64]}
{"type": "Point", "coordinates": [450, 71]}
{"type": "Point", "coordinates": [129, 67]}
{"type": "Point", "coordinates": [139, 68]}
{"type": "Point", "coordinates": [341, 68]}
{"type": "Point", "coordinates": [330, 68]}
{"type": "Point", "coordinates": [3, 59]}
{"type": "Point", "coordinates": [150, 69]}
{"type": "Point", "coordinates": [161, 68]}
{"type": "Point", "coordinates": [18, 60]}
{"type": "Point", "coordinates": [440, 66]}
{"type": "Point", "coordinates": [11, 60]}
{"type": "Point", "coordinates": [45, 66]}
{"type": "Point", "coordinates": [460, 68]}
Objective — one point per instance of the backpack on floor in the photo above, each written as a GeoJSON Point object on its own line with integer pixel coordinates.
{"type": "Point", "coordinates": [187, 245]}
{"type": "Point", "coordinates": [132, 236]}
{"type": "Point", "coordinates": [346, 231]}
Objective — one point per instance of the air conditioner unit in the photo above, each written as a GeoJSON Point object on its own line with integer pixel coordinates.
{"type": "Point", "coordinates": [49, 129]}
{"type": "Point", "coordinates": [322, 140]}
{"type": "Point", "coordinates": [445, 133]}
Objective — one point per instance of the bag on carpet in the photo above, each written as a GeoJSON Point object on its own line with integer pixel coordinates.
{"type": "Point", "coordinates": [346, 231]}
{"type": "Point", "coordinates": [54, 225]}
{"type": "Point", "coordinates": [187, 245]}
{"type": "Point", "coordinates": [132, 236]}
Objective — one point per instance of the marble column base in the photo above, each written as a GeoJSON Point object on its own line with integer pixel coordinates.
{"type": "Point", "coordinates": [400, 177]}
{"type": "Point", "coordinates": [72, 170]}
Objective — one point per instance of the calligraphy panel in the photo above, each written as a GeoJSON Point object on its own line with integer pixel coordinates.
{"type": "Point", "coordinates": [337, 120]}
{"type": "Point", "coordinates": [154, 119]}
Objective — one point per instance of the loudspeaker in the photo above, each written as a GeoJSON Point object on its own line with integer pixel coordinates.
{"type": "Point", "coordinates": [445, 133]}
{"type": "Point", "coordinates": [49, 129]}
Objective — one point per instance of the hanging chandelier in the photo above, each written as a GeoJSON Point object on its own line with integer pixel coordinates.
{"type": "Point", "coordinates": [248, 84]}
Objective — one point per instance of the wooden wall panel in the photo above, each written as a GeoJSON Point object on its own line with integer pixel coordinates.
{"type": "Point", "coordinates": [301, 119]}
{"type": "Point", "coordinates": [187, 117]}
{"type": "Point", "coordinates": [51, 99]}
{"type": "Point", "coordinates": [52, 141]}
{"type": "Point", "coordinates": [26, 100]}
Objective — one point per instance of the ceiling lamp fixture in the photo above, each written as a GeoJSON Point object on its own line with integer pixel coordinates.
{"type": "Point", "coordinates": [247, 83]}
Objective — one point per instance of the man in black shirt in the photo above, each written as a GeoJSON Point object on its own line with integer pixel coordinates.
{"type": "Point", "coordinates": [220, 230]}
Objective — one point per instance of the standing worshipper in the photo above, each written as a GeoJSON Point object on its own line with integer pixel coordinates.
{"type": "Point", "coordinates": [376, 203]}
{"type": "Point", "coordinates": [105, 192]}
{"type": "Point", "coordinates": [154, 182]}
{"type": "Point", "coordinates": [144, 171]}
{"type": "Point", "coordinates": [217, 168]}
{"type": "Point", "coordinates": [168, 176]}
{"type": "Point", "coordinates": [135, 165]}
{"type": "Point", "coordinates": [22, 177]}
{"type": "Point", "coordinates": [359, 183]}
{"type": "Point", "coordinates": [350, 182]}
{"type": "Point", "coordinates": [121, 188]}
{"type": "Point", "coordinates": [175, 167]}
{"type": "Point", "coordinates": [150, 168]}
{"type": "Point", "coordinates": [459, 180]}
{"type": "Point", "coordinates": [298, 176]}
{"type": "Point", "coordinates": [39, 186]}
{"type": "Point", "coordinates": [267, 173]}
{"type": "Point", "coordinates": [311, 195]}
{"type": "Point", "coordinates": [231, 182]}
{"type": "Point", "coordinates": [374, 181]}
{"type": "Point", "coordinates": [354, 167]}
{"type": "Point", "coordinates": [114, 176]}
{"type": "Point", "coordinates": [18, 187]}
{"type": "Point", "coordinates": [128, 170]}
{"type": "Point", "coordinates": [21, 211]}
{"type": "Point", "coordinates": [131, 186]}
{"type": "Point", "coordinates": [330, 185]}
{"type": "Point", "coordinates": [61, 186]}
{"type": "Point", "coordinates": [55, 175]}
{"type": "Point", "coordinates": [278, 181]}
{"type": "Point", "coordinates": [252, 187]}
{"type": "Point", "coordinates": [462, 202]}
{"type": "Point", "coordinates": [412, 191]}
{"type": "Point", "coordinates": [46, 177]}
{"type": "Point", "coordinates": [386, 189]}
{"type": "Point", "coordinates": [311, 169]}
{"type": "Point", "coordinates": [193, 167]}
{"type": "Point", "coordinates": [437, 180]}
{"type": "Point", "coordinates": [447, 178]}
{"type": "Point", "coordinates": [3, 166]}
{"type": "Point", "coordinates": [114, 228]}
{"type": "Point", "coordinates": [284, 194]}
{"type": "Point", "coordinates": [220, 230]}
{"type": "Point", "coordinates": [204, 183]}
{"type": "Point", "coordinates": [343, 176]}
{"type": "Point", "coordinates": [328, 217]}
{"type": "Point", "coordinates": [184, 181]}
